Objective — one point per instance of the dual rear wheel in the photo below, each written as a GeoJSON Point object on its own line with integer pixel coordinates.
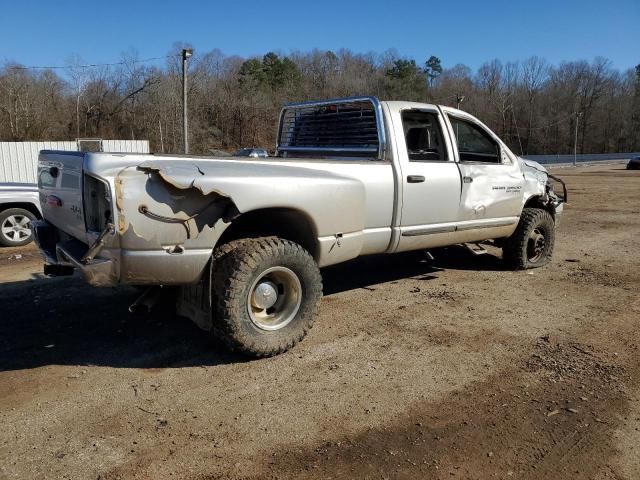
{"type": "Point", "coordinates": [265, 294]}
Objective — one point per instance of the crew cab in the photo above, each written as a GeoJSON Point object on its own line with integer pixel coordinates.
{"type": "Point", "coordinates": [244, 238]}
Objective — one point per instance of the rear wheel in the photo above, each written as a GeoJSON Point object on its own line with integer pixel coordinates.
{"type": "Point", "coordinates": [265, 293]}
{"type": "Point", "coordinates": [15, 227]}
{"type": "Point", "coordinates": [531, 245]}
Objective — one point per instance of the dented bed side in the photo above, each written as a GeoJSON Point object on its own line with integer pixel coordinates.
{"type": "Point", "coordinates": [170, 213]}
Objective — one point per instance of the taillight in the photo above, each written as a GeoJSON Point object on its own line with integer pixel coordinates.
{"type": "Point", "coordinates": [54, 201]}
{"type": "Point", "coordinates": [97, 204]}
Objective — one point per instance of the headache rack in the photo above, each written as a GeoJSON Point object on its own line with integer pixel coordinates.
{"type": "Point", "coordinates": [345, 127]}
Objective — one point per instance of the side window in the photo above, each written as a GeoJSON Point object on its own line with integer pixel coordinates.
{"type": "Point", "coordinates": [474, 144]}
{"type": "Point", "coordinates": [423, 136]}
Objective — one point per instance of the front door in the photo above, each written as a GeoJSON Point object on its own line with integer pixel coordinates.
{"type": "Point", "coordinates": [491, 179]}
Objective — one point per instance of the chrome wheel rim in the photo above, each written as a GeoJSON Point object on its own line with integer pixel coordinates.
{"type": "Point", "coordinates": [16, 228]}
{"type": "Point", "coordinates": [536, 245]}
{"type": "Point", "coordinates": [274, 298]}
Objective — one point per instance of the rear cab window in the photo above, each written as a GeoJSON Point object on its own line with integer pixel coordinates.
{"type": "Point", "coordinates": [423, 136]}
{"type": "Point", "coordinates": [349, 129]}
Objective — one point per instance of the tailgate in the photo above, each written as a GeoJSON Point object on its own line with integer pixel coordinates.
{"type": "Point", "coordinates": [60, 187]}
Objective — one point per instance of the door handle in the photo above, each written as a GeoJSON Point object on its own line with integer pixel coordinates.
{"type": "Point", "coordinates": [415, 179]}
{"type": "Point", "coordinates": [467, 179]}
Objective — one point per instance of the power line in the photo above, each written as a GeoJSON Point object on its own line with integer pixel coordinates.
{"type": "Point", "coordinates": [90, 65]}
{"type": "Point", "coordinates": [554, 123]}
{"type": "Point", "coordinates": [548, 125]}
{"type": "Point", "coordinates": [446, 100]}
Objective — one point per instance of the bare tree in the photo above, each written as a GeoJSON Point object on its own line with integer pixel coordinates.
{"type": "Point", "coordinates": [79, 78]}
{"type": "Point", "coordinates": [235, 101]}
{"type": "Point", "coordinates": [535, 72]}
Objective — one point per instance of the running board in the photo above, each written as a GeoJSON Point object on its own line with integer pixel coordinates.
{"type": "Point", "coordinates": [475, 248]}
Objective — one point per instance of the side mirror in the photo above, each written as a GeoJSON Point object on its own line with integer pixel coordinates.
{"type": "Point", "coordinates": [504, 157]}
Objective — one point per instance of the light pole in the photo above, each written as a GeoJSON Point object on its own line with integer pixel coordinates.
{"type": "Point", "coordinates": [575, 141]}
{"type": "Point", "coordinates": [186, 53]}
{"type": "Point", "coordinates": [459, 100]}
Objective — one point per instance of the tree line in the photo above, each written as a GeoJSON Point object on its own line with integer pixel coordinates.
{"type": "Point", "coordinates": [235, 102]}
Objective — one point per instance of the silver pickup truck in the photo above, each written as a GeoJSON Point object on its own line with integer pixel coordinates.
{"type": "Point", "coordinates": [244, 238]}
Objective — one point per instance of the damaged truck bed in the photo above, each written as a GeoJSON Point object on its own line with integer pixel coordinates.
{"type": "Point", "coordinates": [244, 238]}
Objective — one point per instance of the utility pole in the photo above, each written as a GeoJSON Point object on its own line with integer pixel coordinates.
{"type": "Point", "coordinates": [161, 138]}
{"type": "Point", "coordinates": [575, 141]}
{"type": "Point", "coordinates": [186, 53]}
{"type": "Point", "coordinates": [459, 100]}
{"type": "Point", "coordinates": [77, 116]}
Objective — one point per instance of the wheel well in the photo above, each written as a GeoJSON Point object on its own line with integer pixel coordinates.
{"type": "Point", "coordinates": [280, 222]}
{"type": "Point", "coordinates": [25, 206]}
{"type": "Point", "coordinates": [537, 202]}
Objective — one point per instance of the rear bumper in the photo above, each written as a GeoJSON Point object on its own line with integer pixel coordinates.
{"type": "Point", "coordinates": [72, 253]}
{"type": "Point", "coordinates": [103, 265]}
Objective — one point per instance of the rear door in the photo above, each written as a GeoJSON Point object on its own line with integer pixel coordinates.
{"type": "Point", "coordinates": [491, 178]}
{"type": "Point", "coordinates": [431, 181]}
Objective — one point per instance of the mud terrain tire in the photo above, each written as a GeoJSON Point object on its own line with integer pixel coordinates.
{"type": "Point", "coordinates": [531, 245]}
{"type": "Point", "coordinates": [265, 294]}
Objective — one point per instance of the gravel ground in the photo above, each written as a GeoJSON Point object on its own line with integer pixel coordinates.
{"type": "Point", "coordinates": [454, 368]}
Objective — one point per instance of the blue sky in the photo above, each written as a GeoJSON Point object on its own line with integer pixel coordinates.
{"type": "Point", "coordinates": [39, 32]}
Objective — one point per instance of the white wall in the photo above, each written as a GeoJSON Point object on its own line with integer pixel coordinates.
{"type": "Point", "coordinates": [19, 160]}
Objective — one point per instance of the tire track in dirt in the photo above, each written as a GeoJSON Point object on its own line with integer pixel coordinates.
{"type": "Point", "coordinates": [414, 369]}
{"type": "Point", "coordinates": [551, 417]}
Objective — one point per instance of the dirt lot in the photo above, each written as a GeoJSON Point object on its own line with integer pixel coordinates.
{"type": "Point", "coordinates": [454, 368]}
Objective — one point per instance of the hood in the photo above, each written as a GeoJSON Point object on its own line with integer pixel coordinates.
{"type": "Point", "coordinates": [533, 164]}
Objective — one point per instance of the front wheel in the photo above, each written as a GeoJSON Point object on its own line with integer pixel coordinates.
{"type": "Point", "coordinates": [265, 293]}
{"type": "Point", "coordinates": [531, 245]}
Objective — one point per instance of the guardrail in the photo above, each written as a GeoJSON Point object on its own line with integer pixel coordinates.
{"type": "Point", "coordinates": [587, 157]}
